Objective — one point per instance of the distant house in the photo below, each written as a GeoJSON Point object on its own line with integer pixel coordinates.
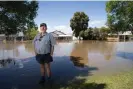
{"type": "Point", "coordinates": [122, 36]}
{"type": "Point", "coordinates": [61, 36]}
{"type": "Point", "coordinates": [126, 35]}
{"type": "Point", "coordinates": [2, 37]}
{"type": "Point", "coordinates": [20, 36]}
{"type": "Point", "coordinates": [17, 36]}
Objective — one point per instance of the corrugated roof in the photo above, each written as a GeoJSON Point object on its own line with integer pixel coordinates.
{"type": "Point", "coordinates": [54, 34]}
{"type": "Point", "coordinates": [59, 32]}
{"type": "Point", "coordinates": [65, 35]}
{"type": "Point", "coordinates": [125, 33]}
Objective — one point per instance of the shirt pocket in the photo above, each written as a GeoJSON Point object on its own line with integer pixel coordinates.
{"type": "Point", "coordinates": [46, 41]}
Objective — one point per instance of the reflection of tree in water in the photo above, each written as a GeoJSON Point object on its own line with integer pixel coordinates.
{"type": "Point", "coordinates": [29, 47]}
{"type": "Point", "coordinates": [79, 55]}
{"type": "Point", "coordinates": [16, 52]}
{"type": "Point", "coordinates": [76, 61]}
{"type": "Point", "coordinates": [9, 46]}
{"type": "Point", "coordinates": [9, 50]}
{"type": "Point", "coordinates": [105, 48]}
{"type": "Point", "coordinates": [10, 61]}
{"type": "Point", "coordinates": [6, 62]}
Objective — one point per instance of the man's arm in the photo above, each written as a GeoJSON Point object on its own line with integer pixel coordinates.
{"type": "Point", "coordinates": [53, 42]}
{"type": "Point", "coordinates": [52, 50]}
{"type": "Point", "coordinates": [33, 42]}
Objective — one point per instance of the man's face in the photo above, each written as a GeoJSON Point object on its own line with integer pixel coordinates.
{"type": "Point", "coordinates": [43, 29]}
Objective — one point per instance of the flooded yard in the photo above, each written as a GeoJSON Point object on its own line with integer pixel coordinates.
{"type": "Point", "coordinates": [19, 69]}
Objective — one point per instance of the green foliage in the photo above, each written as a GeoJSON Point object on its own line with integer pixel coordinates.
{"type": "Point", "coordinates": [81, 34]}
{"type": "Point", "coordinates": [105, 30]}
{"type": "Point", "coordinates": [119, 15]}
{"type": "Point", "coordinates": [15, 16]}
{"type": "Point", "coordinates": [104, 33]}
{"type": "Point", "coordinates": [86, 33]}
{"type": "Point", "coordinates": [95, 33]}
{"type": "Point", "coordinates": [30, 33]}
{"type": "Point", "coordinates": [79, 22]}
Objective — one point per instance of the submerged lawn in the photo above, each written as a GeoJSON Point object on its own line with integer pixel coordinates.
{"type": "Point", "coordinates": [118, 81]}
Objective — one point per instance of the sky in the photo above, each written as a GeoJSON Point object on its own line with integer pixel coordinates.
{"type": "Point", "coordinates": [57, 14]}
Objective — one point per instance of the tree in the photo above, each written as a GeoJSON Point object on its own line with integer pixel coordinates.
{"type": "Point", "coordinates": [87, 34]}
{"type": "Point", "coordinates": [119, 15]}
{"type": "Point", "coordinates": [30, 33]}
{"type": "Point", "coordinates": [16, 16]}
{"type": "Point", "coordinates": [81, 34]}
{"type": "Point", "coordinates": [96, 33]}
{"type": "Point", "coordinates": [105, 30]}
{"type": "Point", "coordinates": [79, 22]}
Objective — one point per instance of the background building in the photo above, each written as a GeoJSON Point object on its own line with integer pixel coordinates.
{"type": "Point", "coordinates": [61, 36]}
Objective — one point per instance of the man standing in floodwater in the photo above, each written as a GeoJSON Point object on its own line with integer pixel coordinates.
{"type": "Point", "coordinates": [44, 47]}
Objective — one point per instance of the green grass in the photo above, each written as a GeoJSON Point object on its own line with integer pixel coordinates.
{"type": "Point", "coordinates": [117, 81]}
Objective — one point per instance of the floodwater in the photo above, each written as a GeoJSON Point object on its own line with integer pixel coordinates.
{"type": "Point", "coordinates": [19, 69]}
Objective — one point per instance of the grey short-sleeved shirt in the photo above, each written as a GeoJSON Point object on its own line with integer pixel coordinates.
{"type": "Point", "coordinates": [43, 46]}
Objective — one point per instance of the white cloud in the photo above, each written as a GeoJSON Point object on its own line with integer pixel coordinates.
{"type": "Point", "coordinates": [97, 23]}
{"type": "Point", "coordinates": [66, 29]}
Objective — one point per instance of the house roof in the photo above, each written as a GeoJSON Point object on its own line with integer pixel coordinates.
{"type": "Point", "coordinates": [125, 33]}
{"type": "Point", "coordinates": [54, 34]}
{"type": "Point", "coordinates": [59, 32]}
{"type": "Point", "coordinates": [65, 35]}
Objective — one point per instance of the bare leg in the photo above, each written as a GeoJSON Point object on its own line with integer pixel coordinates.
{"type": "Point", "coordinates": [42, 80]}
{"type": "Point", "coordinates": [48, 70]}
{"type": "Point", "coordinates": [42, 69]}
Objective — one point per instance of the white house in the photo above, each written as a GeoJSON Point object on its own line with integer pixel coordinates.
{"type": "Point", "coordinates": [19, 35]}
{"type": "Point", "coordinates": [61, 36]}
{"type": "Point", "coordinates": [2, 37]}
{"type": "Point", "coordinates": [123, 36]}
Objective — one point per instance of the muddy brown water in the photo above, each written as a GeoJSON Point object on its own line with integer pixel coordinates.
{"type": "Point", "coordinates": [19, 69]}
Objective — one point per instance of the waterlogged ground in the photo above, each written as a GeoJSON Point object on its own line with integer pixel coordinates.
{"type": "Point", "coordinates": [72, 60]}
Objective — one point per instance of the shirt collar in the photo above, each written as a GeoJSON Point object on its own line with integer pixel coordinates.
{"type": "Point", "coordinates": [43, 34]}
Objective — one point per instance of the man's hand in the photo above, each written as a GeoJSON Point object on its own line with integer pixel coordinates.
{"type": "Point", "coordinates": [52, 50]}
{"type": "Point", "coordinates": [51, 54]}
{"type": "Point", "coordinates": [35, 53]}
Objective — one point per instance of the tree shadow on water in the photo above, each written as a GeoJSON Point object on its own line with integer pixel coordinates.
{"type": "Point", "coordinates": [76, 84]}
{"type": "Point", "coordinates": [76, 61]}
{"type": "Point", "coordinates": [80, 84]}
